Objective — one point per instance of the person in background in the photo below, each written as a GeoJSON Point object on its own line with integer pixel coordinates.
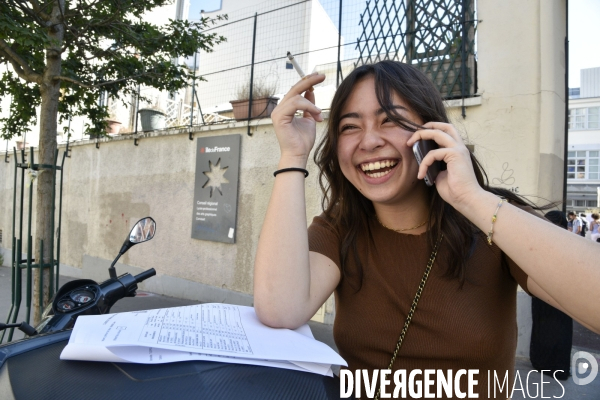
{"type": "Point", "coordinates": [576, 223]}
{"type": "Point", "coordinates": [584, 224]}
{"type": "Point", "coordinates": [594, 227]}
{"type": "Point", "coordinates": [551, 330]}
{"type": "Point", "coordinates": [569, 224]}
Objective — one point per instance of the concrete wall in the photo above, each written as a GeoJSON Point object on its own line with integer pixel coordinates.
{"type": "Point", "coordinates": [518, 131]}
{"type": "Point", "coordinates": [107, 189]}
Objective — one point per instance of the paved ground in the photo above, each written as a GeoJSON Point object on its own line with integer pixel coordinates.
{"type": "Point", "coordinates": [583, 340]}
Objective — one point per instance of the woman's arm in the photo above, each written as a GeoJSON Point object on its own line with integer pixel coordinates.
{"type": "Point", "coordinates": [540, 293]}
{"type": "Point", "coordinates": [560, 263]}
{"type": "Point", "coordinates": [291, 283]}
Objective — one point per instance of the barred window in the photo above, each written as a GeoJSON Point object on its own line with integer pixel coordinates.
{"type": "Point", "coordinates": [435, 36]}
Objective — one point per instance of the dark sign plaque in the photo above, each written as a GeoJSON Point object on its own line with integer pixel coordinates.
{"type": "Point", "coordinates": [216, 188]}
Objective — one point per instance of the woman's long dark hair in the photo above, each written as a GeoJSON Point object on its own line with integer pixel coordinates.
{"type": "Point", "coordinates": [349, 211]}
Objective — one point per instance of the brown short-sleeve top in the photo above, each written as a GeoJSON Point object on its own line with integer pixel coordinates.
{"type": "Point", "coordinates": [468, 327]}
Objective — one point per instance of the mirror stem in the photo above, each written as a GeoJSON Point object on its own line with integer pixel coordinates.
{"type": "Point", "coordinates": [111, 270]}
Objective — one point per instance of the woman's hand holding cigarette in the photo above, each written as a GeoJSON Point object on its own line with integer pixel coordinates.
{"type": "Point", "coordinates": [296, 136]}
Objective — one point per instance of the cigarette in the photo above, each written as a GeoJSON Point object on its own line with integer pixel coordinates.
{"type": "Point", "coordinates": [298, 69]}
{"type": "Point", "coordinates": [295, 64]}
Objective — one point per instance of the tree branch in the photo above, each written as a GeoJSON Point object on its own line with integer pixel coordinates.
{"type": "Point", "coordinates": [79, 83]}
{"type": "Point", "coordinates": [38, 10]}
{"type": "Point", "coordinates": [75, 81]}
{"type": "Point", "coordinates": [81, 9]}
{"type": "Point", "coordinates": [19, 65]}
{"type": "Point", "coordinates": [42, 19]}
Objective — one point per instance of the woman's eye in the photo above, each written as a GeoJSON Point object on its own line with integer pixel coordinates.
{"type": "Point", "coordinates": [347, 127]}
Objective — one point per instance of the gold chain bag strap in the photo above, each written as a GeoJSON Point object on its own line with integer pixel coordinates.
{"type": "Point", "coordinates": [413, 306]}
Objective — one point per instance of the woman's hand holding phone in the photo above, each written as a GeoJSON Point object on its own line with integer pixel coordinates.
{"type": "Point", "coordinates": [457, 184]}
{"type": "Point", "coordinates": [296, 136]}
{"type": "Point", "coordinates": [420, 150]}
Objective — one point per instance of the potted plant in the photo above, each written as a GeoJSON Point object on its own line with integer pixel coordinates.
{"type": "Point", "coordinates": [152, 117]}
{"type": "Point", "coordinates": [263, 101]}
{"type": "Point", "coordinates": [113, 125]}
{"type": "Point", "coordinates": [21, 145]}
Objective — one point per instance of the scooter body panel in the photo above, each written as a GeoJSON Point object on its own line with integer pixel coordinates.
{"type": "Point", "coordinates": [33, 370]}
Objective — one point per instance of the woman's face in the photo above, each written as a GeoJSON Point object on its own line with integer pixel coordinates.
{"type": "Point", "coordinates": [372, 150]}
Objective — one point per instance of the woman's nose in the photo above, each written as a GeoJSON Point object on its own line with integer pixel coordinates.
{"type": "Point", "coordinates": [371, 139]}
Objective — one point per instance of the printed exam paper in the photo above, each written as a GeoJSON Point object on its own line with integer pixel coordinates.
{"type": "Point", "coordinates": [215, 332]}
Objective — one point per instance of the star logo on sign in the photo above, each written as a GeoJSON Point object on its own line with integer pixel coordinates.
{"type": "Point", "coordinates": [215, 177]}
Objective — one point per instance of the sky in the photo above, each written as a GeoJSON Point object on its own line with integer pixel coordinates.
{"type": "Point", "coordinates": [584, 37]}
{"type": "Point", "coordinates": [584, 32]}
{"type": "Point", "coordinates": [206, 5]}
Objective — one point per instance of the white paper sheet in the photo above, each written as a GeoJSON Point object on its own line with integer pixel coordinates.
{"type": "Point", "coordinates": [218, 332]}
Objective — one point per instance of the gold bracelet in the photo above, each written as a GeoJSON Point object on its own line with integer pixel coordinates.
{"type": "Point", "coordinates": [494, 217]}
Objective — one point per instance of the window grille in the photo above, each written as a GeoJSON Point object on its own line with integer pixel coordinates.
{"type": "Point", "coordinates": [428, 34]}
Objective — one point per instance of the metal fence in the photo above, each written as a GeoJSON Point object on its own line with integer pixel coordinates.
{"type": "Point", "coordinates": [333, 37]}
{"type": "Point", "coordinates": [329, 36]}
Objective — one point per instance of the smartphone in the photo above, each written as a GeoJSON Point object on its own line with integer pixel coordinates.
{"type": "Point", "coordinates": [421, 148]}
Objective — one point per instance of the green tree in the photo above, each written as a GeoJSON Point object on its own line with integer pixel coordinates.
{"type": "Point", "coordinates": [60, 54]}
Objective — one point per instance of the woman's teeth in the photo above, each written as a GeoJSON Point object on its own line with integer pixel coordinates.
{"type": "Point", "coordinates": [373, 169]}
{"type": "Point", "coordinates": [378, 174]}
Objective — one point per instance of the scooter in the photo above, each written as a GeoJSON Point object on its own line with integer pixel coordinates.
{"type": "Point", "coordinates": [86, 297]}
{"type": "Point", "coordinates": [30, 368]}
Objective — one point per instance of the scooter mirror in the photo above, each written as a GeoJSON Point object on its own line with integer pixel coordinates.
{"type": "Point", "coordinates": [142, 231]}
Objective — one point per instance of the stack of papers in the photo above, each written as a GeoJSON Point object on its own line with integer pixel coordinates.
{"type": "Point", "coordinates": [213, 332]}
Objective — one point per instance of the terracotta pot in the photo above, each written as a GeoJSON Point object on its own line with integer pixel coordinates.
{"type": "Point", "coordinates": [261, 108]}
{"type": "Point", "coordinates": [20, 145]}
{"type": "Point", "coordinates": [113, 127]}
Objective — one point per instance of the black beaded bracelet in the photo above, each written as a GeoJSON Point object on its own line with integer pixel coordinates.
{"type": "Point", "coordinates": [291, 169]}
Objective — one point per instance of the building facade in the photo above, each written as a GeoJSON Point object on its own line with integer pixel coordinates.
{"type": "Point", "coordinates": [583, 164]}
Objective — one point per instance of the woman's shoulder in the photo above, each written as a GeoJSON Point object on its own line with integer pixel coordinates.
{"type": "Point", "coordinates": [323, 221]}
{"type": "Point", "coordinates": [324, 238]}
{"type": "Point", "coordinates": [324, 227]}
